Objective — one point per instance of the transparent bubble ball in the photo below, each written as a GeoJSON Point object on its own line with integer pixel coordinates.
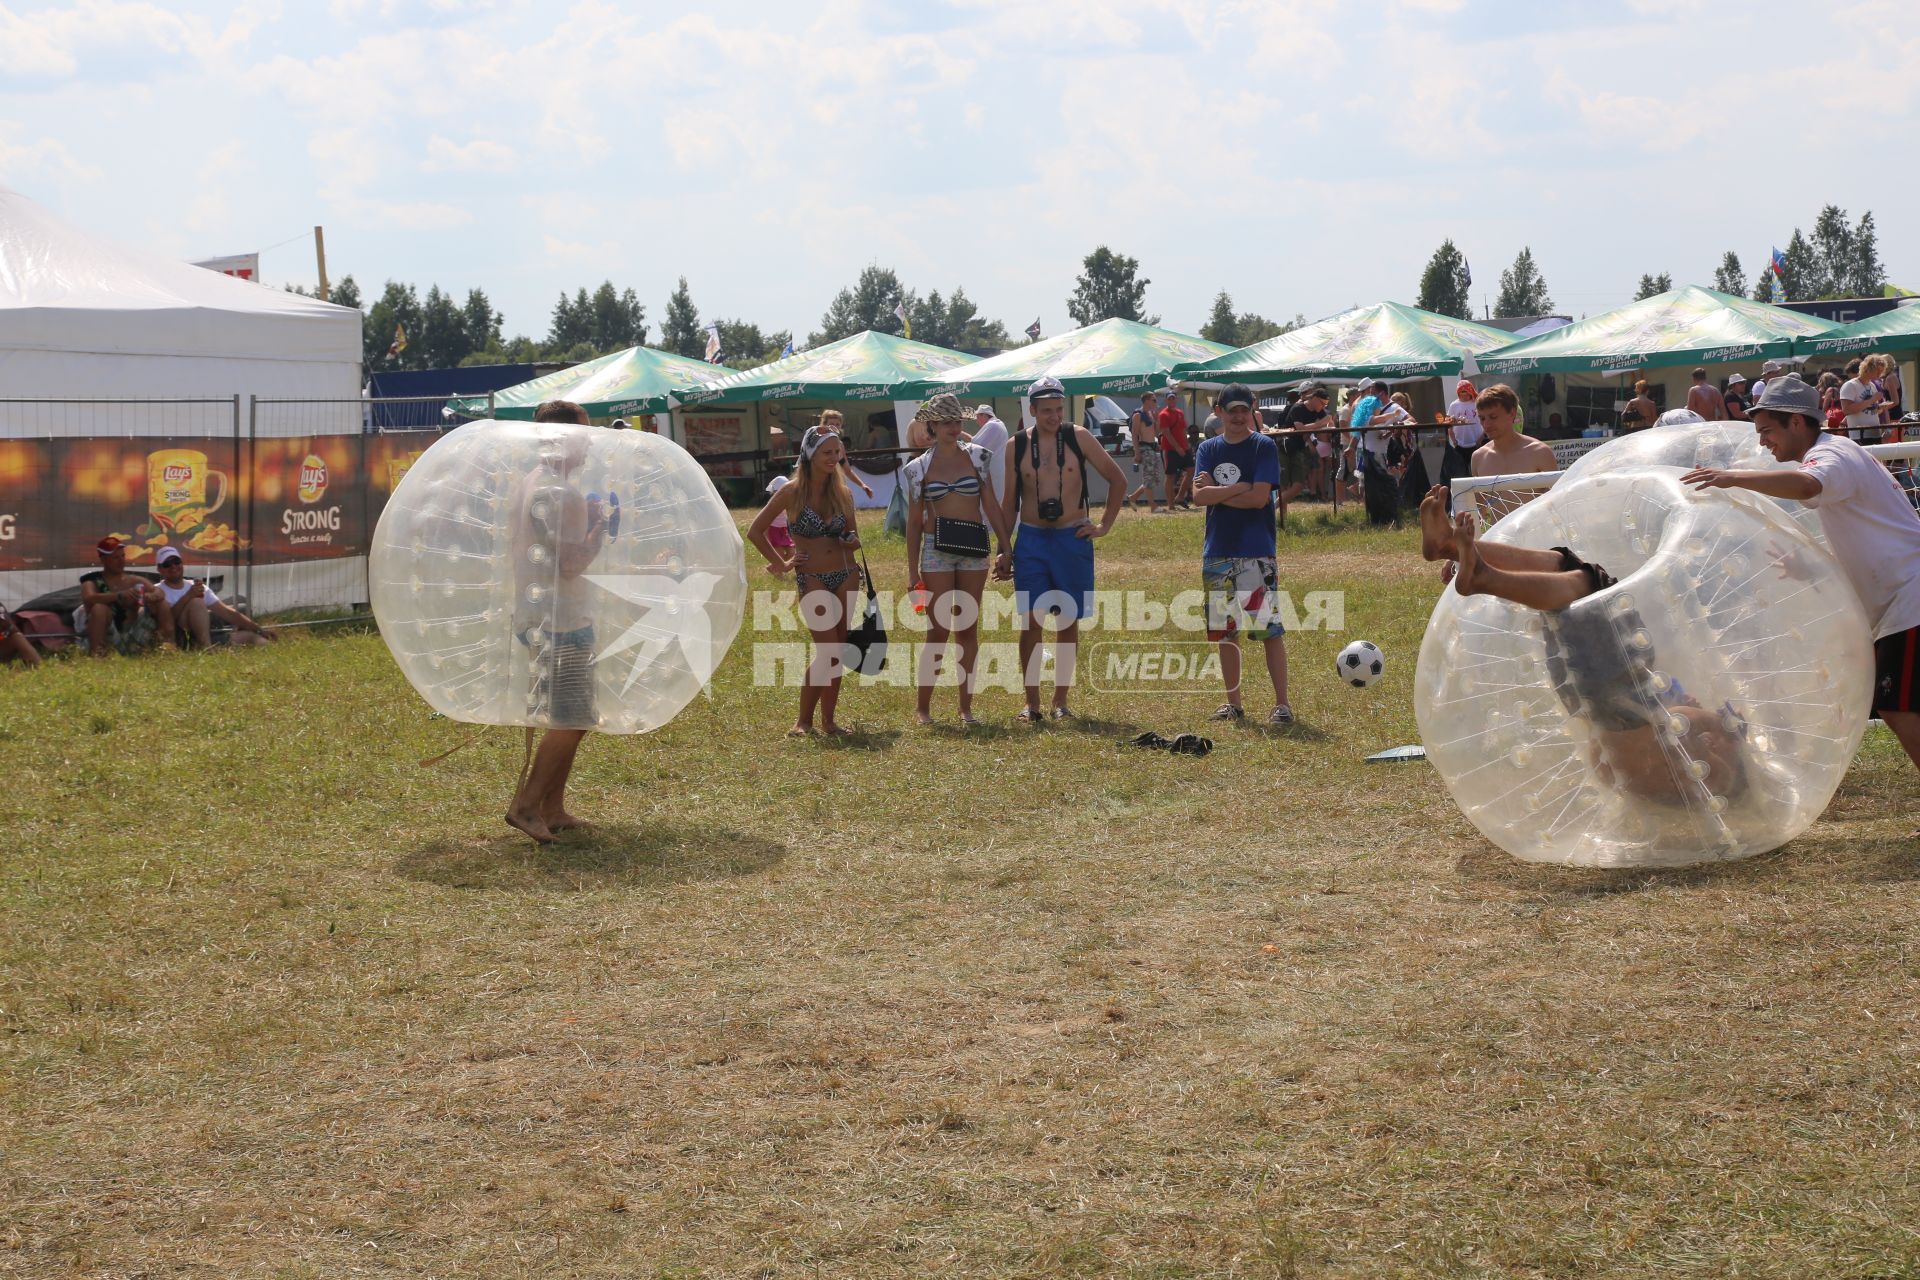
{"type": "Point", "coordinates": [557, 576]}
{"type": "Point", "coordinates": [1669, 719]}
{"type": "Point", "coordinates": [1725, 446]}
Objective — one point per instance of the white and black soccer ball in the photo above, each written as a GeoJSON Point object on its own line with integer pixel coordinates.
{"type": "Point", "coordinates": [1360, 663]}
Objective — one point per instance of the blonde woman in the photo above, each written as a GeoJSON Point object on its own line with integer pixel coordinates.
{"type": "Point", "coordinates": [951, 508]}
{"type": "Point", "coordinates": [826, 534]}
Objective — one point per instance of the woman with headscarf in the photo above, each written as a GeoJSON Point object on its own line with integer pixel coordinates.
{"type": "Point", "coordinates": [826, 533]}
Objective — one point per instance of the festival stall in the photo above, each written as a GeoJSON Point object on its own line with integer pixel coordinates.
{"type": "Point", "coordinates": [1108, 358]}
{"type": "Point", "coordinates": [1894, 333]}
{"type": "Point", "coordinates": [633, 384]}
{"type": "Point", "coordinates": [865, 376]}
{"type": "Point", "coordinates": [1594, 362]}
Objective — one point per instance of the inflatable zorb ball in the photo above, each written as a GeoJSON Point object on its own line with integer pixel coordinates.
{"type": "Point", "coordinates": [557, 576]}
{"type": "Point", "coordinates": [1704, 707]}
{"type": "Point", "coordinates": [1727, 446]}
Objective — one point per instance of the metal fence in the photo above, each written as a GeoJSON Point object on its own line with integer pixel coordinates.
{"type": "Point", "coordinates": [272, 501]}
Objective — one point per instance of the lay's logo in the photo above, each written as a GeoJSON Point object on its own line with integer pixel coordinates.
{"type": "Point", "coordinates": [313, 478]}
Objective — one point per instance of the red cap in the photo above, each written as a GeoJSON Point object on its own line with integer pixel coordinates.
{"type": "Point", "coordinates": [108, 545]}
{"type": "Point", "coordinates": [1463, 389]}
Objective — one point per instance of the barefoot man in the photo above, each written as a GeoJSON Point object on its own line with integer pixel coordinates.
{"type": "Point", "coordinates": [1507, 452]}
{"type": "Point", "coordinates": [556, 535]}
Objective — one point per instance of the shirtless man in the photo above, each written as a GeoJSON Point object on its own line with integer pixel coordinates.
{"type": "Point", "coordinates": [1507, 452]}
{"type": "Point", "coordinates": [557, 534]}
{"type": "Point", "coordinates": [1051, 561]}
{"type": "Point", "coordinates": [1704, 398]}
{"type": "Point", "coordinates": [1633, 716]}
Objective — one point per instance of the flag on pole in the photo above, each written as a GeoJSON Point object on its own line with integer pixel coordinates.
{"type": "Point", "coordinates": [713, 343]}
{"type": "Point", "coordinates": [900, 312]}
{"type": "Point", "coordinates": [1776, 278]}
{"type": "Point", "coordinates": [1466, 269]}
{"type": "Point", "coordinates": [1033, 330]}
{"type": "Point", "coordinates": [399, 342]}
{"type": "Point", "coordinates": [788, 349]}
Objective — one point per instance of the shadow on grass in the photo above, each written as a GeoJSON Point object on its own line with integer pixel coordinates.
{"type": "Point", "coordinates": [1860, 862]}
{"type": "Point", "coordinates": [618, 853]}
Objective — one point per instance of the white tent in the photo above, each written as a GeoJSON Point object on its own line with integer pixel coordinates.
{"type": "Point", "coordinates": [82, 317]}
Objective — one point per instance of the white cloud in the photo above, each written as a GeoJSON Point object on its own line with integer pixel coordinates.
{"type": "Point", "coordinates": [482, 155]}
{"type": "Point", "coordinates": [55, 42]}
{"type": "Point", "coordinates": [21, 159]}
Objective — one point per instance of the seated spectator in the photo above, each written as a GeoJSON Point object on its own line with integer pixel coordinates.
{"type": "Point", "coordinates": [14, 642]}
{"type": "Point", "coordinates": [190, 606]}
{"type": "Point", "coordinates": [115, 613]}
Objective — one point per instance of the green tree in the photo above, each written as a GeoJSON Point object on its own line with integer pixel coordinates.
{"type": "Point", "coordinates": [572, 322]}
{"type": "Point", "coordinates": [1868, 275]}
{"type": "Point", "coordinates": [1222, 324]}
{"type": "Point", "coordinates": [744, 346]}
{"type": "Point", "coordinates": [399, 306]}
{"type": "Point", "coordinates": [1109, 286]}
{"type": "Point", "coordinates": [345, 294]}
{"type": "Point", "coordinates": [1651, 285]}
{"type": "Point", "coordinates": [868, 304]}
{"type": "Point", "coordinates": [441, 342]}
{"type": "Point", "coordinates": [481, 321]}
{"type": "Point", "coordinates": [955, 322]}
{"type": "Point", "coordinates": [1253, 328]}
{"type": "Point", "coordinates": [616, 321]}
{"type": "Point", "coordinates": [680, 330]}
{"type": "Point", "coordinates": [1730, 278]}
{"type": "Point", "coordinates": [1523, 290]}
{"type": "Point", "coordinates": [1443, 285]}
{"type": "Point", "coordinates": [1802, 276]}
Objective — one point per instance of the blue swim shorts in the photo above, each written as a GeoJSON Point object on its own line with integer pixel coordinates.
{"type": "Point", "coordinates": [1053, 572]}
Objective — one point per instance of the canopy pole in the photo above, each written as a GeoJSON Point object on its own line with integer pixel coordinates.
{"type": "Point", "coordinates": [320, 257]}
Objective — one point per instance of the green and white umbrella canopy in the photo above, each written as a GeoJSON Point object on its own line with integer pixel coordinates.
{"type": "Point", "coordinates": [1689, 325]}
{"type": "Point", "coordinates": [1895, 330]}
{"type": "Point", "coordinates": [636, 380]}
{"type": "Point", "coordinates": [867, 366]}
{"type": "Point", "coordinates": [1111, 357]}
{"type": "Point", "coordinates": [1384, 340]}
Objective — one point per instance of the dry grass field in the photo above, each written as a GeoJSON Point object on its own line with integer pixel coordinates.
{"type": "Point", "coordinates": [276, 1001]}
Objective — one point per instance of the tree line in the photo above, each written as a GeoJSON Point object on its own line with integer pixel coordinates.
{"type": "Point", "coordinates": [442, 331]}
{"type": "Point", "coordinates": [1837, 259]}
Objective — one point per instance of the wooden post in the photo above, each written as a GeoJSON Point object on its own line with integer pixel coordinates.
{"type": "Point", "coordinates": [320, 255]}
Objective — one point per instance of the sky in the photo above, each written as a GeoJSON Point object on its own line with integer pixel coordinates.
{"type": "Point", "coordinates": [1307, 156]}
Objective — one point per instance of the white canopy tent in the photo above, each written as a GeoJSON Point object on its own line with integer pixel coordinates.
{"type": "Point", "coordinates": [85, 318]}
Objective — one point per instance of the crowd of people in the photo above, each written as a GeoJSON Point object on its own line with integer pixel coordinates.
{"type": "Point", "coordinates": [125, 613]}
{"type": "Point", "coordinates": [1863, 398]}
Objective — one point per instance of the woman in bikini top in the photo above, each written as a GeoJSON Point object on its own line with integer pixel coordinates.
{"type": "Point", "coordinates": [822, 564]}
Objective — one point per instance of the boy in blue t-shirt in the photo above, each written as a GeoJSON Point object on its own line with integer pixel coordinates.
{"type": "Point", "coordinates": [1235, 475]}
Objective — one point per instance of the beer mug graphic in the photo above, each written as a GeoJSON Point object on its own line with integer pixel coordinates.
{"type": "Point", "coordinates": [177, 484]}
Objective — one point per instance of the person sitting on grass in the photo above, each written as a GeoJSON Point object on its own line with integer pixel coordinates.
{"type": "Point", "coordinates": [1235, 476]}
{"type": "Point", "coordinates": [1632, 713]}
{"type": "Point", "coordinates": [14, 642]}
{"type": "Point", "coordinates": [188, 605]}
{"type": "Point", "coordinates": [116, 608]}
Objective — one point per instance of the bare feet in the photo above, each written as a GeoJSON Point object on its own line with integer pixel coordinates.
{"type": "Point", "coordinates": [967, 720]}
{"type": "Point", "coordinates": [564, 821]}
{"type": "Point", "coordinates": [800, 731]}
{"type": "Point", "coordinates": [1436, 539]}
{"type": "Point", "coordinates": [531, 824]}
{"type": "Point", "coordinates": [836, 731]}
{"type": "Point", "coordinates": [922, 718]}
{"type": "Point", "coordinates": [1466, 554]}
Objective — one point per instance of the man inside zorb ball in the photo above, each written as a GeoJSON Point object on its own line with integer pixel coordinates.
{"type": "Point", "coordinates": [1615, 685]}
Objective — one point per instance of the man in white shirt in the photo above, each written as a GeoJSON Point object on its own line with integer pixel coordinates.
{"type": "Point", "coordinates": [990, 433]}
{"type": "Point", "coordinates": [1768, 371]}
{"type": "Point", "coordinates": [185, 602]}
{"type": "Point", "coordinates": [1871, 529]}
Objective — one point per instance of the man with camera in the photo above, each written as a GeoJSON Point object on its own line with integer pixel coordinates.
{"type": "Point", "coordinates": [1051, 561]}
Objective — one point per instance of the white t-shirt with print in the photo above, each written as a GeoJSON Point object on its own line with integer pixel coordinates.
{"type": "Point", "coordinates": [1871, 530]}
{"type": "Point", "coordinates": [1469, 434]}
{"type": "Point", "coordinates": [1858, 390]}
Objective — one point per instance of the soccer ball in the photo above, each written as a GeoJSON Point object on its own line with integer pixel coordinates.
{"type": "Point", "coordinates": [1360, 663]}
